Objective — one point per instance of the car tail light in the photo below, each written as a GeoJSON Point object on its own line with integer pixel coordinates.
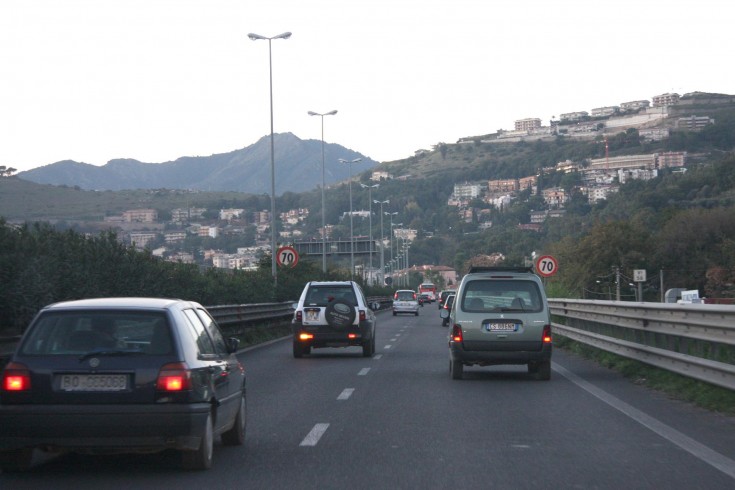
{"type": "Point", "coordinates": [306, 336]}
{"type": "Point", "coordinates": [299, 316]}
{"type": "Point", "coordinates": [363, 316]}
{"type": "Point", "coordinates": [174, 377]}
{"type": "Point", "coordinates": [547, 334]}
{"type": "Point", "coordinates": [351, 335]}
{"type": "Point", "coordinates": [414, 295]}
{"type": "Point", "coordinates": [16, 377]}
{"type": "Point", "coordinates": [457, 333]}
{"type": "Point", "coordinates": [395, 296]}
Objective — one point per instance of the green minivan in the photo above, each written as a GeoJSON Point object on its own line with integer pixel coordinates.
{"type": "Point", "coordinates": [500, 316]}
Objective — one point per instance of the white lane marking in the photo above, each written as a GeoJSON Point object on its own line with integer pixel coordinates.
{"type": "Point", "coordinates": [312, 438]}
{"type": "Point", "coordinates": [394, 340]}
{"type": "Point", "coordinates": [377, 356]}
{"type": "Point", "coordinates": [363, 371]}
{"type": "Point", "coordinates": [387, 347]}
{"type": "Point", "coordinates": [346, 393]}
{"type": "Point", "coordinates": [696, 449]}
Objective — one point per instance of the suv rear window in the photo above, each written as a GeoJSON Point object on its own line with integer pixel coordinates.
{"type": "Point", "coordinates": [322, 295]}
{"type": "Point", "coordinates": [66, 333]}
{"type": "Point", "coordinates": [501, 295]}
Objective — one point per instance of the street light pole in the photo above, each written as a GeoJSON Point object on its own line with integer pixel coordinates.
{"type": "Point", "coordinates": [382, 243]}
{"type": "Point", "coordinates": [255, 37]}
{"type": "Point", "coordinates": [352, 234]}
{"type": "Point", "coordinates": [324, 221]}
{"type": "Point", "coordinates": [370, 222]}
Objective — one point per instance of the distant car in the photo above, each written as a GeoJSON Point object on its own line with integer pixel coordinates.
{"type": "Point", "coordinates": [500, 316]}
{"type": "Point", "coordinates": [448, 301]}
{"type": "Point", "coordinates": [333, 314]}
{"type": "Point", "coordinates": [122, 375]}
{"type": "Point", "coordinates": [443, 296]}
{"type": "Point", "coordinates": [424, 298]}
{"type": "Point", "coordinates": [405, 301]}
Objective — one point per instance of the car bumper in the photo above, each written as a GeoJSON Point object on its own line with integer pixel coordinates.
{"type": "Point", "coordinates": [103, 429]}
{"type": "Point", "coordinates": [457, 352]}
{"type": "Point", "coordinates": [406, 309]}
{"type": "Point", "coordinates": [325, 337]}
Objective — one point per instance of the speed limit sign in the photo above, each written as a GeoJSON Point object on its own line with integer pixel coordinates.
{"type": "Point", "coordinates": [287, 257]}
{"type": "Point", "coordinates": [546, 266]}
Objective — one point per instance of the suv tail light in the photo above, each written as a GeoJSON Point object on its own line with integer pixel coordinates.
{"type": "Point", "coordinates": [175, 376]}
{"type": "Point", "coordinates": [299, 316]}
{"type": "Point", "coordinates": [16, 377]}
{"type": "Point", "coordinates": [546, 337]}
{"type": "Point", "coordinates": [457, 333]}
{"type": "Point", "coordinates": [363, 316]}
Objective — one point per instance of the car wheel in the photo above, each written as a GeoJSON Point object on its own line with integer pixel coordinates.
{"type": "Point", "coordinates": [543, 371]}
{"type": "Point", "coordinates": [298, 350]}
{"type": "Point", "coordinates": [236, 435]}
{"type": "Point", "coordinates": [368, 349]}
{"type": "Point", "coordinates": [201, 458]}
{"type": "Point", "coordinates": [394, 313]}
{"type": "Point", "coordinates": [16, 460]}
{"type": "Point", "coordinates": [417, 313]}
{"type": "Point", "coordinates": [456, 368]}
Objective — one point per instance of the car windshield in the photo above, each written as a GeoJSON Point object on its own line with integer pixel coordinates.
{"type": "Point", "coordinates": [85, 332]}
{"type": "Point", "coordinates": [322, 295]}
{"type": "Point", "coordinates": [501, 295]}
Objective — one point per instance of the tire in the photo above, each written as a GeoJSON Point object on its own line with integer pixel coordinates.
{"type": "Point", "coordinates": [417, 313]}
{"type": "Point", "coordinates": [543, 372]}
{"type": "Point", "coordinates": [368, 349]}
{"type": "Point", "coordinates": [236, 435]}
{"type": "Point", "coordinates": [298, 350]}
{"type": "Point", "coordinates": [456, 368]}
{"type": "Point", "coordinates": [394, 313]}
{"type": "Point", "coordinates": [201, 458]}
{"type": "Point", "coordinates": [16, 460]}
{"type": "Point", "coordinates": [340, 314]}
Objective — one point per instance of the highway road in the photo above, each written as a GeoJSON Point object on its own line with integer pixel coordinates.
{"type": "Point", "coordinates": [336, 420]}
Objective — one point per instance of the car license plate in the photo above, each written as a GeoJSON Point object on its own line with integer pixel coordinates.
{"type": "Point", "coordinates": [94, 382]}
{"type": "Point", "coordinates": [312, 314]}
{"type": "Point", "coordinates": [501, 327]}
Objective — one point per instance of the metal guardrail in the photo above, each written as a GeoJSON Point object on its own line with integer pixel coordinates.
{"type": "Point", "coordinates": [695, 340]}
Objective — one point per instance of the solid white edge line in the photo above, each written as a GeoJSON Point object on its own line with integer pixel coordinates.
{"type": "Point", "coordinates": [696, 449]}
{"type": "Point", "coordinates": [316, 433]}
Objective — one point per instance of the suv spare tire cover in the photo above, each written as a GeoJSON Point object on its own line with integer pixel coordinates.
{"type": "Point", "coordinates": [340, 313]}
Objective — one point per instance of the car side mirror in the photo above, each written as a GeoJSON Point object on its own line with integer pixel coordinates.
{"type": "Point", "coordinates": [232, 345]}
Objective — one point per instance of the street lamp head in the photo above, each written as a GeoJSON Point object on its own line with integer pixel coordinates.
{"type": "Point", "coordinates": [330, 113]}
{"type": "Point", "coordinates": [382, 202]}
{"type": "Point", "coordinates": [342, 160]}
{"type": "Point", "coordinates": [255, 37]}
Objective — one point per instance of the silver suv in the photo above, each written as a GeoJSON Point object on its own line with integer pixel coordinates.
{"type": "Point", "coordinates": [333, 314]}
{"type": "Point", "coordinates": [500, 316]}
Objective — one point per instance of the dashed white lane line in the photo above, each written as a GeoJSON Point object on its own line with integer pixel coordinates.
{"type": "Point", "coordinates": [346, 393]}
{"type": "Point", "coordinates": [377, 356]}
{"type": "Point", "coordinates": [387, 346]}
{"type": "Point", "coordinates": [363, 371]}
{"type": "Point", "coordinates": [312, 438]}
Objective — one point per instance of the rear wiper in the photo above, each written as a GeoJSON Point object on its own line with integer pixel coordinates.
{"type": "Point", "coordinates": [110, 353]}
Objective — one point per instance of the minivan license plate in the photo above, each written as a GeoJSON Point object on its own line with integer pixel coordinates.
{"type": "Point", "coordinates": [500, 327]}
{"type": "Point", "coordinates": [94, 382]}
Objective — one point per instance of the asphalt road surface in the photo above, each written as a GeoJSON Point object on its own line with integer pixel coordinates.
{"type": "Point", "coordinates": [337, 420]}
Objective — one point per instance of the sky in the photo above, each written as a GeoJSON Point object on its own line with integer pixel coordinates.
{"type": "Point", "coordinates": [155, 80]}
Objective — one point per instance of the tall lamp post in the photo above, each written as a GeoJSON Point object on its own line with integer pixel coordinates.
{"type": "Point", "coordinates": [352, 235]}
{"type": "Point", "coordinates": [324, 221]}
{"type": "Point", "coordinates": [255, 37]}
{"type": "Point", "coordinates": [391, 232]}
{"type": "Point", "coordinates": [382, 243]}
{"type": "Point", "coordinates": [370, 222]}
{"type": "Point", "coordinates": [393, 235]}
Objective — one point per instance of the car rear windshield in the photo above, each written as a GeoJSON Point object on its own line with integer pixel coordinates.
{"type": "Point", "coordinates": [74, 333]}
{"type": "Point", "coordinates": [405, 296]}
{"type": "Point", "coordinates": [501, 295]}
{"type": "Point", "coordinates": [322, 295]}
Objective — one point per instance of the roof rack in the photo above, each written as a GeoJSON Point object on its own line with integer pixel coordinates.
{"type": "Point", "coordinates": [479, 268]}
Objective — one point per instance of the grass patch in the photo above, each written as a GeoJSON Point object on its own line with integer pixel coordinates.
{"type": "Point", "coordinates": [676, 386]}
{"type": "Point", "coordinates": [263, 333]}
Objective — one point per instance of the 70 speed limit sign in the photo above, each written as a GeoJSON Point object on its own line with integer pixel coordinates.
{"type": "Point", "coordinates": [546, 266]}
{"type": "Point", "coordinates": [287, 257]}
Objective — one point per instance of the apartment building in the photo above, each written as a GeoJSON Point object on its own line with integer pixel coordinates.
{"type": "Point", "coordinates": [528, 124]}
{"type": "Point", "coordinates": [467, 191]}
{"type": "Point", "coordinates": [635, 105]}
{"type": "Point", "coordinates": [665, 100]}
{"type": "Point", "coordinates": [555, 197]}
{"type": "Point", "coordinates": [142, 239]}
{"type": "Point", "coordinates": [573, 116]}
{"type": "Point", "coordinates": [604, 111]}
{"type": "Point", "coordinates": [672, 159]}
{"type": "Point", "coordinates": [626, 161]}
{"type": "Point", "coordinates": [230, 214]}
{"type": "Point", "coordinates": [503, 185]}
{"type": "Point", "coordinates": [694, 123]}
{"type": "Point", "coordinates": [140, 216]}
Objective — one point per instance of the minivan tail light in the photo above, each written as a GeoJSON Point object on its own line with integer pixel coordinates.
{"type": "Point", "coordinates": [16, 377]}
{"type": "Point", "coordinates": [457, 333]}
{"type": "Point", "coordinates": [175, 376]}
{"type": "Point", "coordinates": [547, 334]}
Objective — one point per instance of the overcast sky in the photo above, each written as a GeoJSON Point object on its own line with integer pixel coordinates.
{"type": "Point", "coordinates": [155, 80]}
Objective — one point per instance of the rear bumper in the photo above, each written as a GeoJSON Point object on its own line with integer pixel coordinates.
{"type": "Point", "coordinates": [103, 429]}
{"type": "Point", "coordinates": [457, 352]}
{"type": "Point", "coordinates": [325, 336]}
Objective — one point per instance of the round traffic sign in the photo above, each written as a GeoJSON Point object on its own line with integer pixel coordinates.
{"type": "Point", "coordinates": [287, 257]}
{"type": "Point", "coordinates": [546, 266]}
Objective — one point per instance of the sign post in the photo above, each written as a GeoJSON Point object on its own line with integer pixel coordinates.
{"type": "Point", "coordinates": [287, 257]}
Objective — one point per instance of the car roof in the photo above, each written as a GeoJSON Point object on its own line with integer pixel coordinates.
{"type": "Point", "coordinates": [331, 283]}
{"type": "Point", "coordinates": [126, 302]}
